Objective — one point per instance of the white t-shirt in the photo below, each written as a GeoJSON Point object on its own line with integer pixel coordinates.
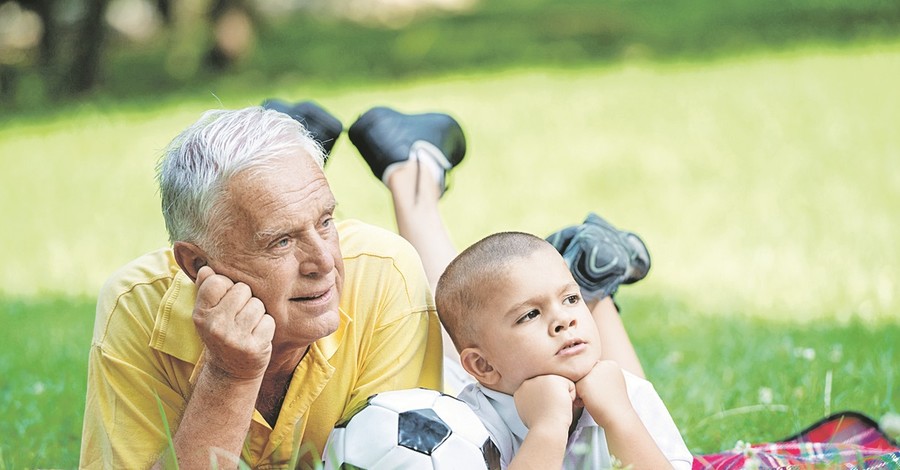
{"type": "Point", "coordinates": [587, 447]}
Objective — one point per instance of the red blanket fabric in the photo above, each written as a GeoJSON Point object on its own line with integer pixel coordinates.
{"type": "Point", "coordinates": [845, 440]}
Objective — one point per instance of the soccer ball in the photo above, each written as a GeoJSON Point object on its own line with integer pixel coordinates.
{"type": "Point", "coordinates": [415, 428]}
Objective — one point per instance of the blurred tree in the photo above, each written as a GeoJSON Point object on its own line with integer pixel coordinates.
{"type": "Point", "coordinates": [20, 32]}
{"type": "Point", "coordinates": [233, 32]}
{"type": "Point", "coordinates": [48, 37]}
{"type": "Point", "coordinates": [68, 52]}
{"type": "Point", "coordinates": [84, 67]}
{"type": "Point", "coordinates": [212, 34]}
{"type": "Point", "coordinates": [67, 55]}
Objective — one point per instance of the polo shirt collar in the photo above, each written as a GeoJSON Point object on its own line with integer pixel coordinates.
{"type": "Point", "coordinates": [174, 332]}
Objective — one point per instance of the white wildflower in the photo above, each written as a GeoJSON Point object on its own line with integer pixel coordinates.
{"type": "Point", "coordinates": [890, 423]}
{"type": "Point", "coordinates": [617, 464]}
{"type": "Point", "coordinates": [752, 461]}
{"type": "Point", "coordinates": [765, 395]}
{"type": "Point", "coordinates": [806, 353]}
{"type": "Point", "coordinates": [674, 358]}
{"type": "Point", "coordinates": [837, 353]}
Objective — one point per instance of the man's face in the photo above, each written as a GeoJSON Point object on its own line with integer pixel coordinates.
{"type": "Point", "coordinates": [279, 238]}
{"type": "Point", "coordinates": [535, 323]}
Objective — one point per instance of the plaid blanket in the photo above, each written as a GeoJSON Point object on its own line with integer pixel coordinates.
{"type": "Point", "coordinates": [845, 440]}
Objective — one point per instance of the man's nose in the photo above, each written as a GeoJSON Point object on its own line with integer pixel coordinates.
{"type": "Point", "coordinates": [314, 256]}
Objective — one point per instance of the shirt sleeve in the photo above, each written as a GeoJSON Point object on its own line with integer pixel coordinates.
{"type": "Point", "coordinates": [134, 394]}
{"type": "Point", "coordinates": [656, 418]}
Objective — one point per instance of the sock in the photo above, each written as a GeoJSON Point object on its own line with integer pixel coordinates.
{"type": "Point", "coordinates": [428, 157]}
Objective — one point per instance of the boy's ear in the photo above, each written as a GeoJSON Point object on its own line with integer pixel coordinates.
{"type": "Point", "coordinates": [474, 362]}
{"type": "Point", "coordinates": [190, 258]}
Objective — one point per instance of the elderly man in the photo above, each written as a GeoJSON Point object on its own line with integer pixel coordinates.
{"type": "Point", "coordinates": [267, 319]}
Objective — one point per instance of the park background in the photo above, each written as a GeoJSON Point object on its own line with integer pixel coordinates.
{"type": "Point", "coordinates": [753, 146]}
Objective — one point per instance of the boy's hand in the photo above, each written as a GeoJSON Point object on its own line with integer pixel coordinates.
{"type": "Point", "coordinates": [603, 393]}
{"type": "Point", "coordinates": [545, 405]}
{"type": "Point", "coordinates": [605, 397]}
{"type": "Point", "coordinates": [233, 325]}
{"type": "Point", "coordinates": [546, 401]}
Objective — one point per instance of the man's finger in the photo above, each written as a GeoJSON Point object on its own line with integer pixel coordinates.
{"type": "Point", "coordinates": [265, 329]}
{"type": "Point", "coordinates": [204, 273]}
{"type": "Point", "coordinates": [247, 318]}
{"type": "Point", "coordinates": [234, 300]}
{"type": "Point", "coordinates": [212, 289]}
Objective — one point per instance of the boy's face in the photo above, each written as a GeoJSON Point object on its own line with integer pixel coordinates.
{"type": "Point", "coordinates": [535, 323]}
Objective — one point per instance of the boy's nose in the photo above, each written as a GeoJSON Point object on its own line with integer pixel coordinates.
{"type": "Point", "coordinates": [562, 323]}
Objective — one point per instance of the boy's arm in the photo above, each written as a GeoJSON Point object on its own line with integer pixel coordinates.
{"type": "Point", "coordinates": [605, 396]}
{"type": "Point", "coordinates": [545, 405]}
{"type": "Point", "coordinates": [631, 443]}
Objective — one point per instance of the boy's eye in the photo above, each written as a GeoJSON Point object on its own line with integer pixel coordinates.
{"type": "Point", "coordinates": [572, 299]}
{"type": "Point", "coordinates": [529, 316]}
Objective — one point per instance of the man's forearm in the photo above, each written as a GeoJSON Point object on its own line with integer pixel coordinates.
{"type": "Point", "coordinates": [216, 419]}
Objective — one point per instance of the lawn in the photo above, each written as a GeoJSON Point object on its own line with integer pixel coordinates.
{"type": "Point", "coordinates": [766, 186]}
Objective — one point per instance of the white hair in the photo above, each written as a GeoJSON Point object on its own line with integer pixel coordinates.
{"type": "Point", "coordinates": [196, 166]}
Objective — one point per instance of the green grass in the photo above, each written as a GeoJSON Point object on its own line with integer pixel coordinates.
{"type": "Point", "coordinates": [733, 377]}
{"type": "Point", "coordinates": [43, 370]}
{"type": "Point", "coordinates": [765, 185]}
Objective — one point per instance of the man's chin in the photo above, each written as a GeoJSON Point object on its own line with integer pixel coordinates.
{"type": "Point", "coordinates": [330, 322]}
{"type": "Point", "coordinates": [311, 323]}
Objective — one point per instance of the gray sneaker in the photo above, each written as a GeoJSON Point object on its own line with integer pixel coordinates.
{"type": "Point", "coordinates": [601, 257]}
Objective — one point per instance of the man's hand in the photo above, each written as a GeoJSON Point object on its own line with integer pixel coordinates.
{"type": "Point", "coordinates": [603, 393]}
{"type": "Point", "coordinates": [233, 325]}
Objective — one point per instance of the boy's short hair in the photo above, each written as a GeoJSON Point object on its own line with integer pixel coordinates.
{"type": "Point", "coordinates": [460, 290]}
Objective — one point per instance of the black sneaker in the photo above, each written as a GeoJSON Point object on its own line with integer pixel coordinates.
{"type": "Point", "coordinates": [322, 126]}
{"type": "Point", "coordinates": [601, 257]}
{"type": "Point", "coordinates": [385, 137]}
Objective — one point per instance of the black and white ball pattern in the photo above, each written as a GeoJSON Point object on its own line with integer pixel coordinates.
{"type": "Point", "coordinates": [414, 428]}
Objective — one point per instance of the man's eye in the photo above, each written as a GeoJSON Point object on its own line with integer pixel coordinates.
{"type": "Point", "coordinates": [282, 243]}
{"type": "Point", "coordinates": [529, 316]}
{"type": "Point", "coordinates": [572, 299]}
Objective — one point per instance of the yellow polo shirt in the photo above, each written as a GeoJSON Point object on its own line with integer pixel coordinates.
{"type": "Point", "coordinates": [145, 349]}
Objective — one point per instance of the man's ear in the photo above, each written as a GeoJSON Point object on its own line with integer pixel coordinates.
{"type": "Point", "coordinates": [190, 258]}
{"type": "Point", "coordinates": [474, 362]}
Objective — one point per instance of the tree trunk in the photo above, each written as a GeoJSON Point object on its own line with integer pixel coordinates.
{"type": "Point", "coordinates": [85, 66]}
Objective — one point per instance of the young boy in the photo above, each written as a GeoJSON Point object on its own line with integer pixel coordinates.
{"type": "Point", "coordinates": [412, 155]}
{"type": "Point", "coordinates": [517, 318]}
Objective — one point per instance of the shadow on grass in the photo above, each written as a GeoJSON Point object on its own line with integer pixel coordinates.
{"type": "Point", "coordinates": [303, 49]}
